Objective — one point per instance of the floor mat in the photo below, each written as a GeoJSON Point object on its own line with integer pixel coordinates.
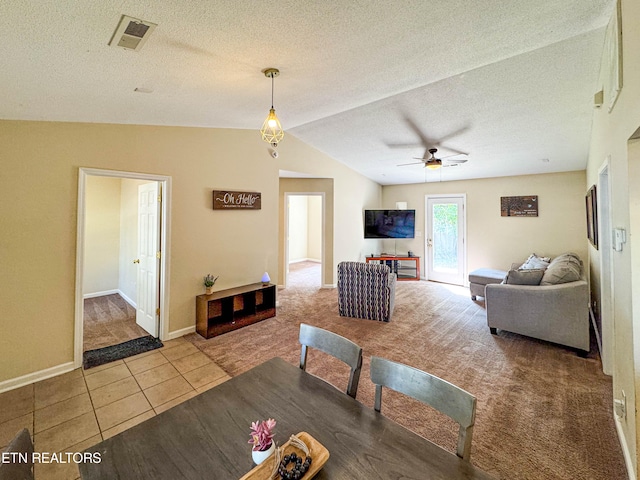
{"type": "Point", "coordinates": [100, 356]}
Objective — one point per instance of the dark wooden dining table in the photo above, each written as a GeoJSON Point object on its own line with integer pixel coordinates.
{"type": "Point", "coordinates": [206, 437]}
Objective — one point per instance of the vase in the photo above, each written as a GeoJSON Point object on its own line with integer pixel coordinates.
{"type": "Point", "coordinates": [209, 290]}
{"type": "Point", "coordinates": [260, 456]}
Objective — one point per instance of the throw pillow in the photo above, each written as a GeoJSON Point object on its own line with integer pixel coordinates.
{"type": "Point", "coordinates": [560, 272]}
{"type": "Point", "coordinates": [535, 262]}
{"type": "Point", "coordinates": [528, 276]}
{"type": "Point", "coordinates": [570, 258]}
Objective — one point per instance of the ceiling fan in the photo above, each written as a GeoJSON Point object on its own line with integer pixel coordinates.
{"type": "Point", "coordinates": [434, 163]}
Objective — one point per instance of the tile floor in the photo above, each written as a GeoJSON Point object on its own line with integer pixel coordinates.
{"type": "Point", "coordinates": [74, 411]}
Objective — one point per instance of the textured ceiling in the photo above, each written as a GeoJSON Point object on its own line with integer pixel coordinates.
{"type": "Point", "coordinates": [370, 83]}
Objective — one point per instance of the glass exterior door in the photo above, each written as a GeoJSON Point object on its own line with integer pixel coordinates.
{"type": "Point", "coordinates": [445, 239]}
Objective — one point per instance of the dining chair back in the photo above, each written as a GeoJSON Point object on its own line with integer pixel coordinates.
{"type": "Point", "coordinates": [333, 344]}
{"type": "Point", "coordinates": [20, 456]}
{"type": "Point", "coordinates": [445, 397]}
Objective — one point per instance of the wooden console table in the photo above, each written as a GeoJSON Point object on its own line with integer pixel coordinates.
{"type": "Point", "coordinates": [402, 270]}
{"type": "Point", "coordinates": [227, 310]}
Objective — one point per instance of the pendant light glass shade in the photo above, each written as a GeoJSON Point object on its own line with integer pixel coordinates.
{"type": "Point", "coordinates": [271, 130]}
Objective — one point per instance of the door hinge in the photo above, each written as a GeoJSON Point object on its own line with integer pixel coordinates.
{"type": "Point", "coordinates": [157, 311]}
{"type": "Point", "coordinates": [158, 254]}
{"type": "Point", "coordinates": [159, 198]}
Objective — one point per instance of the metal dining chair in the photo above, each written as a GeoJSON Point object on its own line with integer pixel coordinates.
{"type": "Point", "coordinates": [20, 464]}
{"type": "Point", "coordinates": [333, 344]}
{"type": "Point", "coordinates": [440, 394]}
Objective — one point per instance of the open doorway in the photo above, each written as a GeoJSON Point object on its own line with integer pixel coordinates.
{"type": "Point", "coordinates": [120, 266]}
{"type": "Point", "coordinates": [304, 239]}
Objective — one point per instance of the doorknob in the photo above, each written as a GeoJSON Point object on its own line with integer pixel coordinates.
{"type": "Point", "coordinates": [429, 244]}
{"type": "Point", "coordinates": [137, 260]}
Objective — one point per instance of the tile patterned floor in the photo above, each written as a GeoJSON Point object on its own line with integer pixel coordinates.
{"type": "Point", "coordinates": [74, 411]}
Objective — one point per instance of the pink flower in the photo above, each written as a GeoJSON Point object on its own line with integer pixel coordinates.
{"type": "Point", "coordinates": [262, 434]}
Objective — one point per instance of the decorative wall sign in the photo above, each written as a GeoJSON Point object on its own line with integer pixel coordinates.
{"type": "Point", "coordinates": [591, 201]}
{"type": "Point", "coordinates": [519, 206]}
{"type": "Point", "coordinates": [226, 200]}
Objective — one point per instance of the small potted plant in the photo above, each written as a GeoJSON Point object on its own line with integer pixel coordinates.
{"type": "Point", "coordinates": [262, 440]}
{"type": "Point", "coordinates": [209, 282]}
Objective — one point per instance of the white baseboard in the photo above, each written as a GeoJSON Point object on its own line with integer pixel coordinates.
{"type": "Point", "coordinates": [100, 294]}
{"type": "Point", "coordinates": [35, 376]}
{"type": "Point", "coordinates": [298, 260]}
{"type": "Point", "coordinates": [625, 450]}
{"type": "Point", "coordinates": [180, 333]}
{"type": "Point", "coordinates": [329, 285]}
{"type": "Point", "coordinates": [127, 299]}
{"type": "Point", "coordinates": [111, 292]}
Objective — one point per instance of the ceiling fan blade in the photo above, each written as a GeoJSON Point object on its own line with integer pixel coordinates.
{"type": "Point", "coordinates": [405, 164]}
{"type": "Point", "coordinates": [457, 161]}
{"type": "Point", "coordinates": [455, 155]}
{"type": "Point", "coordinates": [454, 134]}
{"type": "Point", "coordinates": [404, 145]}
{"type": "Point", "coordinates": [416, 129]}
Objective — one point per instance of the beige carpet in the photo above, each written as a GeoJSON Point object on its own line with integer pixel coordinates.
{"type": "Point", "coordinates": [543, 412]}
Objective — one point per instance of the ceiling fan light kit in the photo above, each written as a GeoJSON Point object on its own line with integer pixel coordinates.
{"type": "Point", "coordinates": [271, 130]}
{"type": "Point", "coordinates": [433, 164]}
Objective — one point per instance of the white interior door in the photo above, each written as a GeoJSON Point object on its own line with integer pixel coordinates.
{"type": "Point", "coordinates": [444, 239]}
{"type": "Point", "coordinates": [148, 258]}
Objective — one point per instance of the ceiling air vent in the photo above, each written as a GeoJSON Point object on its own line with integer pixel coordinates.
{"type": "Point", "coordinates": [131, 33]}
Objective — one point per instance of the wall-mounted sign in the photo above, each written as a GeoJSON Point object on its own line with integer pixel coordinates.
{"type": "Point", "coordinates": [519, 206]}
{"type": "Point", "coordinates": [224, 200]}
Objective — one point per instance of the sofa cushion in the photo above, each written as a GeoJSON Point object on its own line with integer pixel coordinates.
{"type": "Point", "coordinates": [535, 262]}
{"type": "Point", "coordinates": [561, 272]}
{"type": "Point", "coordinates": [528, 276]}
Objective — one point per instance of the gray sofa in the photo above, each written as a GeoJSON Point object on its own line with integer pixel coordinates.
{"type": "Point", "coordinates": [555, 309]}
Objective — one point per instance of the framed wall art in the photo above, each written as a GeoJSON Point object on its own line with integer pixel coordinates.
{"type": "Point", "coordinates": [524, 206]}
{"type": "Point", "coordinates": [613, 59]}
{"type": "Point", "coordinates": [233, 200]}
{"type": "Point", "coordinates": [591, 204]}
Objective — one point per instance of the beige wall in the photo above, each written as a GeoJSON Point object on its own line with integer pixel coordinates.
{"type": "Point", "coordinates": [102, 235]}
{"type": "Point", "coordinates": [38, 198]}
{"type": "Point", "coordinates": [492, 240]}
{"type": "Point", "coordinates": [610, 135]}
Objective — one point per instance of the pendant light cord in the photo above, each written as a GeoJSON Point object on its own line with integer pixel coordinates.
{"type": "Point", "coordinates": [272, 90]}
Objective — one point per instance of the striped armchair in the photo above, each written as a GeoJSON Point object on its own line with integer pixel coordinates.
{"type": "Point", "coordinates": [366, 290]}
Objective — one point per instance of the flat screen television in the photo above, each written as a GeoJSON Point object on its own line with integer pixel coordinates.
{"type": "Point", "coordinates": [389, 223]}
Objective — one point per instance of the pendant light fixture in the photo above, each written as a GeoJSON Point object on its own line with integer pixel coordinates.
{"type": "Point", "coordinates": [271, 130]}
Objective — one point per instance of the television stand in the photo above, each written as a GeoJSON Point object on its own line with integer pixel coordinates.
{"type": "Point", "coordinates": [405, 268]}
